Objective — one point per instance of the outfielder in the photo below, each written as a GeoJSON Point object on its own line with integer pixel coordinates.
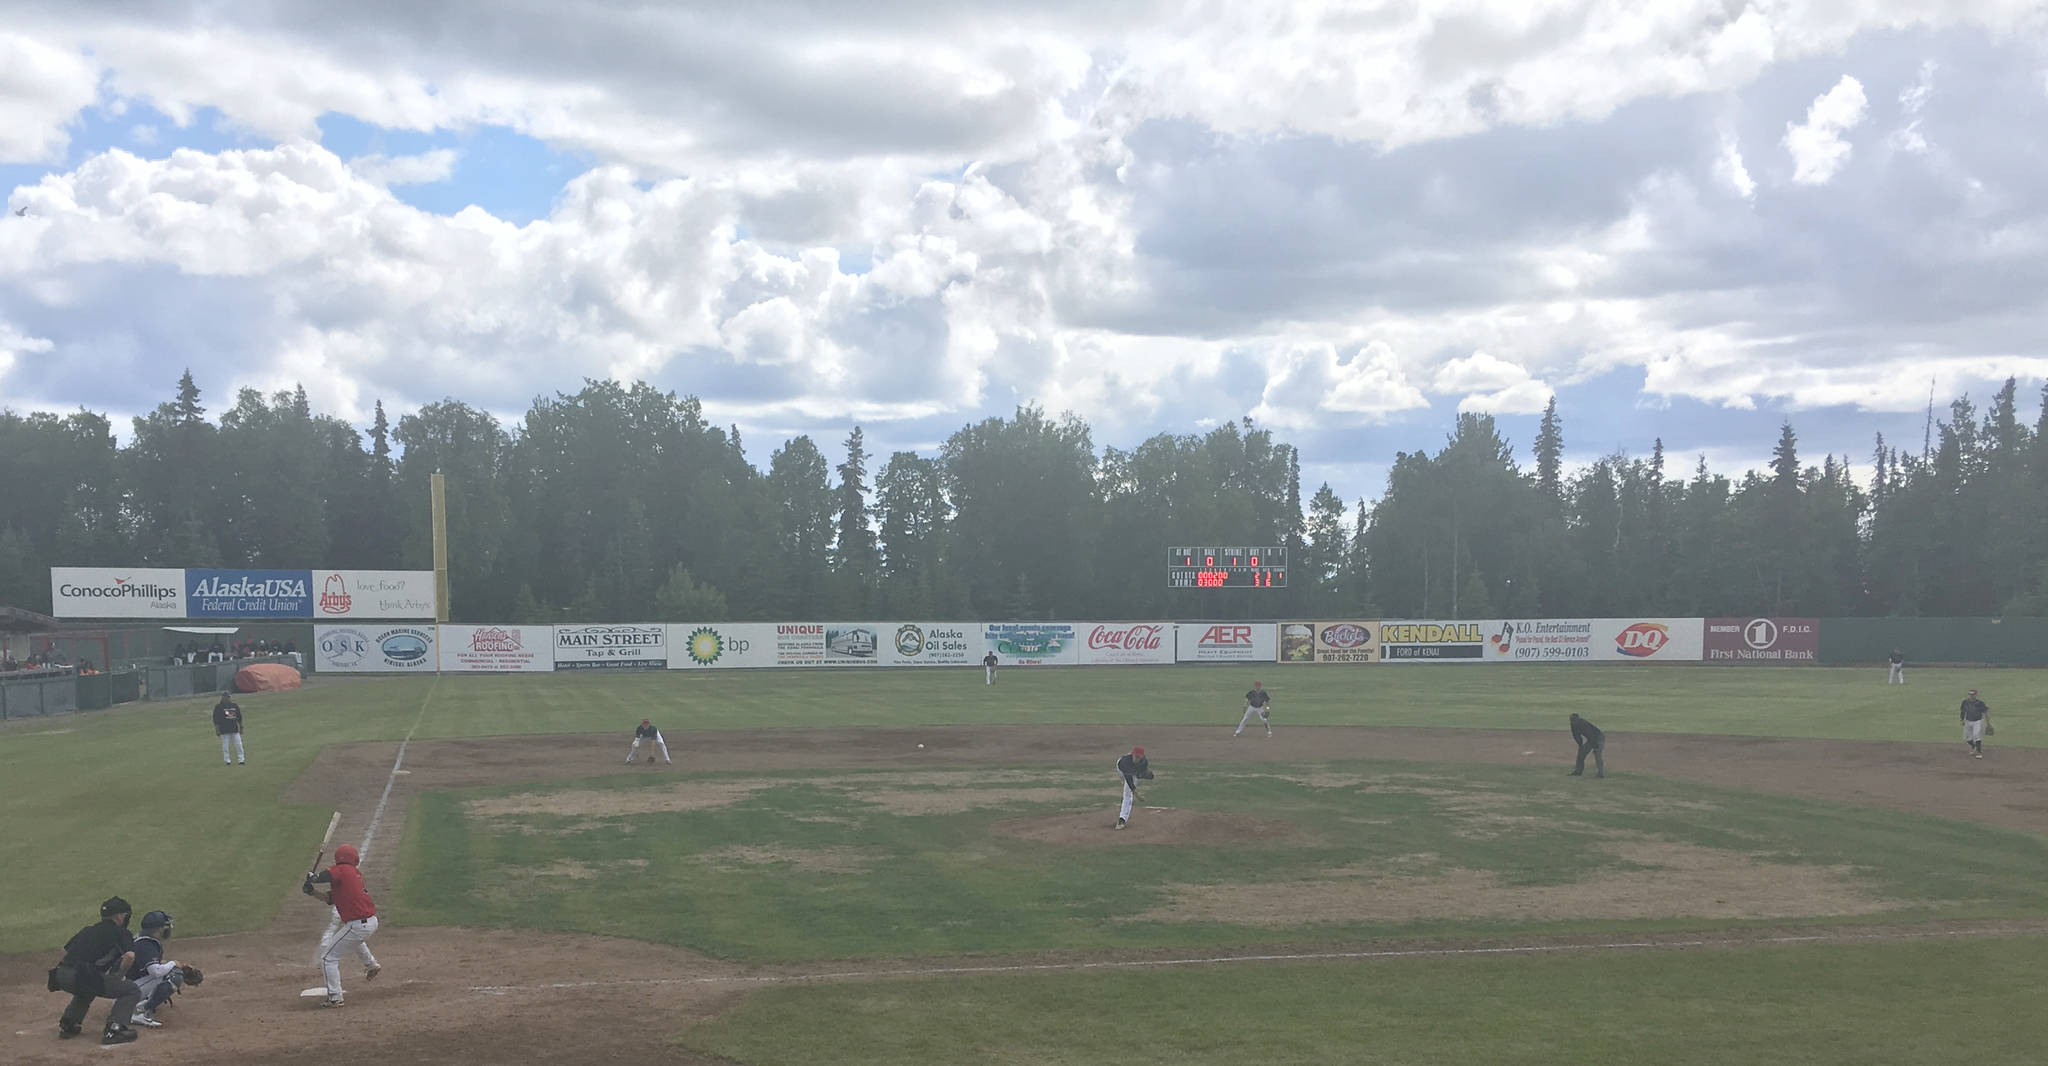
{"type": "Point", "coordinates": [1255, 705]}
{"type": "Point", "coordinates": [155, 977]}
{"type": "Point", "coordinates": [1132, 767]}
{"type": "Point", "coordinates": [355, 919]}
{"type": "Point", "coordinates": [1976, 723]}
{"type": "Point", "coordinates": [647, 732]}
{"type": "Point", "coordinates": [227, 721]}
{"type": "Point", "coordinates": [988, 667]}
{"type": "Point", "coordinates": [1898, 671]}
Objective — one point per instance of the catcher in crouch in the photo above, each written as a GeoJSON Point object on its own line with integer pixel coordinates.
{"type": "Point", "coordinates": [155, 977]}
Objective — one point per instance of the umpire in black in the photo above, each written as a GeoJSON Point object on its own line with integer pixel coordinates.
{"type": "Point", "coordinates": [1592, 742]}
{"type": "Point", "coordinates": [94, 963]}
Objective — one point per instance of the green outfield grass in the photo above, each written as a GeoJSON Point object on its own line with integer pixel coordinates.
{"type": "Point", "coordinates": [845, 865]}
{"type": "Point", "coordinates": [93, 800]}
{"type": "Point", "coordinates": [1855, 1005]}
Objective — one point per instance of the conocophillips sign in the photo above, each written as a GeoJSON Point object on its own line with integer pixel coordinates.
{"type": "Point", "coordinates": [113, 592]}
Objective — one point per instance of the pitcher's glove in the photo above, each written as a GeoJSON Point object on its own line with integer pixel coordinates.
{"type": "Point", "coordinates": [191, 975]}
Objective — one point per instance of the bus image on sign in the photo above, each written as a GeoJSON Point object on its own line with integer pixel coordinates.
{"type": "Point", "coordinates": [1263, 566]}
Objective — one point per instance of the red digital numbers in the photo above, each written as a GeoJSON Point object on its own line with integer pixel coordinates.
{"type": "Point", "coordinates": [1210, 579]}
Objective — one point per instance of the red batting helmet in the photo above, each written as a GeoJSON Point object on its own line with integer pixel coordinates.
{"type": "Point", "coordinates": [345, 855]}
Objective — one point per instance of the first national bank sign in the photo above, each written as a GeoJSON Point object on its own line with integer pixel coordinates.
{"type": "Point", "coordinates": [172, 595]}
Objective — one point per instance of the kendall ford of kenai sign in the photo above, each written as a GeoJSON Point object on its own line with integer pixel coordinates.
{"type": "Point", "coordinates": [1442, 642]}
{"type": "Point", "coordinates": [1763, 641]}
{"type": "Point", "coordinates": [248, 593]}
{"type": "Point", "coordinates": [116, 592]}
{"type": "Point", "coordinates": [613, 647]}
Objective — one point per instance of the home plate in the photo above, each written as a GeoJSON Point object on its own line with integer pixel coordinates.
{"type": "Point", "coordinates": [311, 992]}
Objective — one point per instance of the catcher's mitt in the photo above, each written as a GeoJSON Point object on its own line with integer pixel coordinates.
{"type": "Point", "coordinates": [191, 975]}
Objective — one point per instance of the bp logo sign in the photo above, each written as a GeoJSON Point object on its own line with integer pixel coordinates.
{"type": "Point", "coordinates": [704, 646]}
{"type": "Point", "coordinates": [909, 641]}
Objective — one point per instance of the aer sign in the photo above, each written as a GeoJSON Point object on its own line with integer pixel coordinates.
{"type": "Point", "coordinates": [1226, 642]}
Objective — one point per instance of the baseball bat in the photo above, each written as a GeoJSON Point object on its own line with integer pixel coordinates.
{"type": "Point", "coordinates": [326, 840]}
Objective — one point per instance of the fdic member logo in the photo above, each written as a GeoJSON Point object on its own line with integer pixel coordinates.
{"type": "Point", "coordinates": [1760, 633]}
{"type": "Point", "coordinates": [909, 641]}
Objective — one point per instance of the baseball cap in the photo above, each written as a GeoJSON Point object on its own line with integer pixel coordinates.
{"type": "Point", "coordinates": [1973, 692]}
{"type": "Point", "coordinates": [114, 905]}
{"type": "Point", "coordinates": [646, 721]}
{"type": "Point", "coordinates": [1255, 684]}
{"type": "Point", "coordinates": [1139, 752]}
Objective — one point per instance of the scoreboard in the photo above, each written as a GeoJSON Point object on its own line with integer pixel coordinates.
{"type": "Point", "coordinates": [1262, 567]}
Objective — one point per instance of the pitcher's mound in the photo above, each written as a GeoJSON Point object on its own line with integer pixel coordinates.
{"type": "Point", "coordinates": [1094, 829]}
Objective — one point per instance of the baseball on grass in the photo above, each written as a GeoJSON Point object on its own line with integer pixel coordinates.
{"type": "Point", "coordinates": [920, 745]}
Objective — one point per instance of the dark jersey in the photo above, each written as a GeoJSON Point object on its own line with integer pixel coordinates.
{"type": "Point", "coordinates": [646, 731]}
{"type": "Point", "coordinates": [1134, 770]}
{"type": "Point", "coordinates": [227, 718]}
{"type": "Point", "coordinates": [1587, 733]}
{"type": "Point", "coordinates": [148, 952]}
{"type": "Point", "coordinates": [96, 948]}
{"type": "Point", "coordinates": [1257, 698]}
{"type": "Point", "coordinates": [1974, 710]}
{"type": "Point", "coordinates": [1898, 658]}
{"type": "Point", "coordinates": [989, 659]}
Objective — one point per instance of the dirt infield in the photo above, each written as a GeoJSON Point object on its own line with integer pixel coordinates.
{"type": "Point", "coordinates": [461, 996]}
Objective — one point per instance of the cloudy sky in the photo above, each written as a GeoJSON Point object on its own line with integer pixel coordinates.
{"type": "Point", "coordinates": [1348, 220]}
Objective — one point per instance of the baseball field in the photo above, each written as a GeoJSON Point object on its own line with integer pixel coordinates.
{"type": "Point", "coordinates": [1789, 865]}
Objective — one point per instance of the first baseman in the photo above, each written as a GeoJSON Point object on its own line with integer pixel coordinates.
{"type": "Point", "coordinates": [1133, 768]}
{"type": "Point", "coordinates": [355, 919]}
{"type": "Point", "coordinates": [646, 732]}
{"type": "Point", "coordinates": [1256, 703]}
{"type": "Point", "coordinates": [1976, 721]}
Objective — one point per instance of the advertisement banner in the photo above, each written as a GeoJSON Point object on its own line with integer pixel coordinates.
{"type": "Point", "coordinates": [1226, 642]}
{"type": "Point", "coordinates": [1763, 641]}
{"type": "Point", "coordinates": [721, 645]}
{"type": "Point", "coordinates": [611, 647]}
{"type": "Point", "coordinates": [373, 649]}
{"type": "Point", "coordinates": [1126, 643]}
{"type": "Point", "coordinates": [116, 592]}
{"type": "Point", "coordinates": [373, 594]}
{"type": "Point", "coordinates": [509, 649]}
{"type": "Point", "coordinates": [248, 594]}
{"type": "Point", "coordinates": [1445, 642]}
{"type": "Point", "coordinates": [853, 644]}
{"type": "Point", "coordinates": [1612, 640]}
{"type": "Point", "coordinates": [1330, 642]}
{"type": "Point", "coordinates": [934, 644]}
{"type": "Point", "coordinates": [1032, 643]}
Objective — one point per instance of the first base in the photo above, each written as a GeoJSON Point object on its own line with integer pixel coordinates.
{"type": "Point", "coordinates": [309, 993]}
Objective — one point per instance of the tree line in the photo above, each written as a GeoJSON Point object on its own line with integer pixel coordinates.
{"type": "Point", "coordinates": [623, 502]}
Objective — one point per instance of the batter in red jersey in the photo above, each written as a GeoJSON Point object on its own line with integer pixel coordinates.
{"type": "Point", "coordinates": [355, 919]}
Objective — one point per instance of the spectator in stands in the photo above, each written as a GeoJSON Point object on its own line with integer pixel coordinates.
{"type": "Point", "coordinates": [218, 653]}
{"type": "Point", "coordinates": [178, 654]}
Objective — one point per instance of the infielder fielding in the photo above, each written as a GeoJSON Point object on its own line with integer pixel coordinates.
{"type": "Point", "coordinates": [1591, 741]}
{"type": "Point", "coordinates": [646, 732]}
{"type": "Point", "coordinates": [1976, 723]}
{"type": "Point", "coordinates": [1132, 767]}
{"type": "Point", "coordinates": [1256, 703]}
{"type": "Point", "coordinates": [1897, 662]}
{"type": "Point", "coordinates": [988, 667]}
{"type": "Point", "coordinates": [355, 919]}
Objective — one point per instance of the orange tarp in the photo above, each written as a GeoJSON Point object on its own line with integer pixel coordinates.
{"type": "Point", "coordinates": [266, 677]}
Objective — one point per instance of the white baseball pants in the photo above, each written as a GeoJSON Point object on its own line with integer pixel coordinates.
{"type": "Point", "coordinates": [236, 739]}
{"type": "Point", "coordinates": [1252, 714]}
{"type": "Point", "coordinates": [658, 742]}
{"type": "Point", "coordinates": [1124, 813]}
{"type": "Point", "coordinates": [343, 938]}
{"type": "Point", "coordinates": [1898, 674]}
{"type": "Point", "coordinates": [1973, 731]}
{"type": "Point", "coordinates": [991, 671]}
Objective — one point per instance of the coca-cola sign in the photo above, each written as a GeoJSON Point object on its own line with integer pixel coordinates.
{"type": "Point", "coordinates": [1127, 643]}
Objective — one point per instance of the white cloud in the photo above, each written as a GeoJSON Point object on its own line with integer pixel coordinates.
{"type": "Point", "coordinates": [1728, 166]}
{"type": "Point", "coordinates": [1308, 383]}
{"type": "Point", "coordinates": [423, 169]}
{"type": "Point", "coordinates": [1817, 146]}
{"type": "Point", "coordinates": [1492, 384]}
{"type": "Point", "coordinates": [1913, 100]}
{"type": "Point", "coordinates": [14, 344]}
{"type": "Point", "coordinates": [43, 87]}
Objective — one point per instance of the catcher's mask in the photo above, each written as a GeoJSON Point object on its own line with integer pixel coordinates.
{"type": "Point", "coordinates": [156, 920]}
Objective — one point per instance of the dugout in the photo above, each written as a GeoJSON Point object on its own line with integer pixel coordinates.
{"type": "Point", "coordinates": [57, 690]}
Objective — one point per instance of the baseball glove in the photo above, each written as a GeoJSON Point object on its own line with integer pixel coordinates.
{"type": "Point", "coordinates": [1990, 730]}
{"type": "Point", "coordinates": [191, 975]}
